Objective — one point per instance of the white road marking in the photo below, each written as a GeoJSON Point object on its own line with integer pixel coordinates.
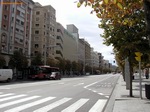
{"type": "Point", "coordinates": [94, 91]}
{"type": "Point", "coordinates": [22, 107]}
{"type": "Point", "coordinates": [6, 95]}
{"type": "Point", "coordinates": [96, 82]}
{"type": "Point", "coordinates": [0, 92]}
{"type": "Point", "coordinates": [17, 101]}
{"type": "Point", "coordinates": [90, 85]}
{"type": "Point", "coordinates": [53, 105]}
{"type": "Point", "coordinates": [100, 93]}
{"type": "Point", "coordinates": [98, 106]}
{"type": "Point", "coordinates": [12, 97]}
{"type": "Point", "coordinates": [75, 106]}
{"type": "Point", "coordinates": [79, 84]}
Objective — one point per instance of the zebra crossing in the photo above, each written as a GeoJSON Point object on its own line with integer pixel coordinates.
{"type": "Point", "coordinates": [11, 102]}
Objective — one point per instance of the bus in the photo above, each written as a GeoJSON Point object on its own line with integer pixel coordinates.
{"type": "Point", "coordinates": [44, 72]}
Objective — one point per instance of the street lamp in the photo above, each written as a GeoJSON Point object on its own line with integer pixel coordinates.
{"type": "Point", "coordinates": [51, 46]}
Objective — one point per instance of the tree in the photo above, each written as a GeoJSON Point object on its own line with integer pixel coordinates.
{"type": "Point", "coordinates": [68, 65]}
{"type": "Point", "coordinates": [18, 60]}
{"type": "Point", "coordinates": [52, 61]}
{"type": "Point", "coordinates": [37, 60]}
{"type": "Point", "coordinates": [123, 23]}
{"type": "Point", "coordinates": [2, 61]}
{"type": "Point", "coordinates": [61, 64]}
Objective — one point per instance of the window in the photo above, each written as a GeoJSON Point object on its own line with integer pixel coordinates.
{"type": "Point", "coordinates": [3, 38]}
{"type": "Point", "coordinates": [21, 31]}
{"type": "Point", "coordinates": [37, 12]}
{"type": "Point", "coordinates": [13, 10]}
{"type": "Point", "coordinates": [5, 27]}
{"type": "Point", "coordinates": [22, 23]}
{"type": "Point", "coordinates": [12, 19]}
{"type": "Point", "coordinates": [36, 45]}
{"type": "Point", "coordinates": [21, 40]}
{"type": "Point", "coordinates": [36, 25]}
{"type": "Point", "coordinates": [36, 32]}
{"type": "Point", "coordinates": [58, 37]}
{"type": "Point", "coordinates": [5, 7]}
{"type": "Point", "coordinates": [17, 29]}
{"type": "Point", "coordinates": [17, 21]}
{"type": "Point", "coordinates": [5, 17]}
{"type": "Point", "coordinates": [35, 52]}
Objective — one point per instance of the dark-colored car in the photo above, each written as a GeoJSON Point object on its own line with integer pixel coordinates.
{"type": "Point", "coordinates": [55, 76]}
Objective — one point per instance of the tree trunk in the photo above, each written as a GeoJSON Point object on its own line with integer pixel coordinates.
{"type": "Point", "coordinates": [147, 16]}
{"type": "Point", "coordinates": [131, 74]}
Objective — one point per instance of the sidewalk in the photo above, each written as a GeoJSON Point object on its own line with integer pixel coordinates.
{"type": "Point", "coordinates": [124, 103]}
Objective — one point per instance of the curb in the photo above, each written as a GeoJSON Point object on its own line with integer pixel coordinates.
{"type": "Point", "coordinates": [111, 101]}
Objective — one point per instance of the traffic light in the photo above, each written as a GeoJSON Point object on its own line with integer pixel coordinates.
{"type": "Point", "coordinates": [138, 56]}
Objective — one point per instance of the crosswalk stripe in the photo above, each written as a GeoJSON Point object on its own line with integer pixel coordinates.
{"type": "Point", "coordinates": [12, 97]}
{"type": "Point", "coordinates": [75, 106]}
{"type": "Point", "coordinates": [6, 95]}
{"type": "Point", "coordinates": [17, 101]}
{"type": "Point", "coordinates": [99, 105]}
{"type": "Point", "coordinates": [53, 105]}
{"type": "Point", "coordinates": [22, 107]}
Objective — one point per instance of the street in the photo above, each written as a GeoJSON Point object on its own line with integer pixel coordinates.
{"type": "Point", "coordinates": [76, 94]}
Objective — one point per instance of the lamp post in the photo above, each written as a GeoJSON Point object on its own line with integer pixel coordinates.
{"type": "Point", "coordinates": [51, 46]}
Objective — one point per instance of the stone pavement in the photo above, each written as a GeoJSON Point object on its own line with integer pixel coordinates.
{"type": "Point", "coordinates": [124, 103]}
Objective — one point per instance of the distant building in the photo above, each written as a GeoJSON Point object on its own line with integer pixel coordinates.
{"type": "Point", "coordinates": [59, 41]}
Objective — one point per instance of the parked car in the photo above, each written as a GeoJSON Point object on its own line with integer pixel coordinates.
{"type": "Point", "coordinates": [55, 75]}
{"type": "Point", "coordinates": [6, 75]}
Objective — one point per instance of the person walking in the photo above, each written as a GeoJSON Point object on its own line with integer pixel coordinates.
{"type": "Point", "coordinates": [147, 73]}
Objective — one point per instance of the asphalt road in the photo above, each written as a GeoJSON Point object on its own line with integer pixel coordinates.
{"type": "Point", "coordinates": [77, 94]}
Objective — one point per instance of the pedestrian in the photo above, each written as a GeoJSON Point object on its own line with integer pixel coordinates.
{"type": "Point", "coordinates": [147, 73]}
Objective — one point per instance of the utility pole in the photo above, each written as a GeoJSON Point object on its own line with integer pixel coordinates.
{"type": "Point", "coordinates": [138, 58]}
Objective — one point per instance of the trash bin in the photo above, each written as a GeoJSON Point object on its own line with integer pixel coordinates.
{"type": "Point", "coordinates": [147, 91]}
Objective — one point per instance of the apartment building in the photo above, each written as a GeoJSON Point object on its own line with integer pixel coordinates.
{"type": "Point", "coordinates": [71, 28]}
{"type": "Point", "coordinates": [15, 27]}
{"type": "Point", "coordinates": [87, 54]}
{"type": "Point", "coordinates": [94, 58]}
{"type": "Point", "coordinates": [81, 51]}
{"type": "Point", "coordinates": [43, 30]}
{"type": "Point", "coordinates": [59, 41]}
{"type": "Point", "coordinates": [70, 47]}
{"type": "Point", "coordinates": [100, 60]}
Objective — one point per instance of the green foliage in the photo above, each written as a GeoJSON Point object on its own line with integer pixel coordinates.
{"type": "Point", "coordinates": [37, 60]}
{"type": "Point", "coordinates": [127, 39]}
{"type": "Point", "coordinates": [74, 66]}
{"type": "Point", "coordinates": [18, 60]}
{"type": "Point", "coordinates": [2, 61]}
{"type": "Point", "coordinates": [61, 64]}
{"type": "Point", "coordinates": [68, 65]}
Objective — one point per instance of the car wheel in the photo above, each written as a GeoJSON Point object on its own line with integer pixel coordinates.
{"type": "Point", "coordinates": [8, 80]}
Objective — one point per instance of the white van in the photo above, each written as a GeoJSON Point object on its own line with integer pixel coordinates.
{"type": "Point", "coordinates": [6, 75]}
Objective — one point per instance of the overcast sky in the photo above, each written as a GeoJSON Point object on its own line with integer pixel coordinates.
{"type": "Point", "coordinates": [87, 24]}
